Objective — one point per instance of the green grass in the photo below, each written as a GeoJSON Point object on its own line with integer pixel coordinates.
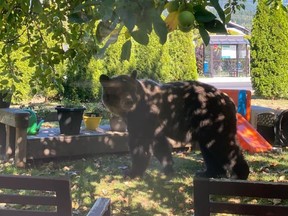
{"type": "Point", "coordinates": [155, 194]}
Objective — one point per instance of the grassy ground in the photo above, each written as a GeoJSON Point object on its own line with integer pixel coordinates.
{"type": "Point", "coordinates": [155, 194]}
{"type": "Point", "coordinates": [101, 175]}
{"type": "Point", "coordinates": [274, 104]}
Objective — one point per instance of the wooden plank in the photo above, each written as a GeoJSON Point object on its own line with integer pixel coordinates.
{"type": "Point", "coordinates": [100, 208]}
{"type": "Point", "coordinates": [248, 209]}
{"type": "Point", "coordinates": [5, 212]}
{"type": "Point", "coordinates": [27, 199]}
{"type": "Point", "coordinates": [2, 141]}
{"type": "Point", "coordinates": [50, 144]}
{"type": "Point", "coordinates": [35, 182]}
{"type": "Point", "coordinates": [75, 145]}
{"type": "Point", "coordinates": [201, 198]}
{"type": "Point", "coordinates": [248, 188]}
{"type": "Point", "coordinates": [10, 142]}
{"type": "Point", "coordinates": [20, 147]}
{"type": "Point", "coordinates": [14, 117]}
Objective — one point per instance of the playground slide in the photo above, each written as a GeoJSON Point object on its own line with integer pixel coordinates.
{"type": "Point", "coordinates": [249, 138]}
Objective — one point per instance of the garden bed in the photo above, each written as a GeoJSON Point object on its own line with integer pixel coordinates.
{"type": "Point", "coordinates": [49, 143]}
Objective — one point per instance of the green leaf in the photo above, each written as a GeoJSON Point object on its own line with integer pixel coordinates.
{"type": "Point", "coordinates": [160, 29]}
{"type": "Point", "coordinates": [37, 6]}
{"type": "Point", "coordinates": [203, 15]}
{"type": "Point", "coordinates": [126, 50]}
{"type": "Point", "coordinates": [128, 14]}
{"type": "Point", "coordinates": [146, 17]}
{"type": "Point", "coordinates": [76, 18]}
{"type": "Point", "coordinates": [228, 18]}
{"type": "Point", "coordinates": [140, 36]}
{"type": "Point", "coordinates": [216, 5]}
{"type": "Point", "coordinates": [4, 82]}
{"type": "Point", "coordinates": [215, 26]}
{"type": "Point", "coordinates": [204, 34]}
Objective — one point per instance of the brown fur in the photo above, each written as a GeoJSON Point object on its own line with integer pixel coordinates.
{"type": "Point", "coordinates": [187, 112]}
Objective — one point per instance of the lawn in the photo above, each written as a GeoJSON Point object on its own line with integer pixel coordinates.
{"type": "Point", "coordinates": [155, 194]}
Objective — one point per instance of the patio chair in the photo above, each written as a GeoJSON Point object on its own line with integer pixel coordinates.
{"type": "Point", "coordinates": [212, 196]}
{"type": "Point", "coordinates": [51, 196]}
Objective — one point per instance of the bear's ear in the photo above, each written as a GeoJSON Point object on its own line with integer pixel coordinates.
{"type": "Point", "coordinates": [104, 78]}
{"type": "Point", "coordinates": [134, 74]}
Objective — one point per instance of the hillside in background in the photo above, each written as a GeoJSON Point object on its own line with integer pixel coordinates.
{"type": "Point", "coordinates": [243, 17]}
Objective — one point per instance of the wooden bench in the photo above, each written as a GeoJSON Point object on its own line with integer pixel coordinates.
{"type": "Point", "coordinates": [42, 196]}
{"type": "Point", "coordinates": [210, 193]}
{"type": "Point", "coordinates": [14, 141]}
{"type": "Point", "coordinates": [13, 134]}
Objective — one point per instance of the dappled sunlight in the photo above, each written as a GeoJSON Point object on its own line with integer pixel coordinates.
{"type": "Point", "coordinates": [49, 143]}
{"type": "Point", "coordinates": [49, 152]}
{"type": "Point", "coordinates": [101, 176]}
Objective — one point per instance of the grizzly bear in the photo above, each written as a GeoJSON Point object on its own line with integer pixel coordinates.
{"type": "Point", "coordinates": [188, 112]}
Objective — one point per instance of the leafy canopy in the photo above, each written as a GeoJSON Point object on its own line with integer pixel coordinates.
{"type": "Point", "coordinates": [55, 31]}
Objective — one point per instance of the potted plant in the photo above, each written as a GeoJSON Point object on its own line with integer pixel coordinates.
{"type": "Point", "coordinates": [5, 98]}
{"type": "Point", "coordinates": [93, 115]}
{"type": "Point", "coordinates": [70, 116]}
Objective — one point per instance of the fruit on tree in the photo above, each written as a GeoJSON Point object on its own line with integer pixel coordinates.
{"type": "Point", "coordinates": [186, 19]}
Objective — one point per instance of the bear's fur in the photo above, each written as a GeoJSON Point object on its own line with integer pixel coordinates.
{"type": "Point", "coordinates": [187, 112]}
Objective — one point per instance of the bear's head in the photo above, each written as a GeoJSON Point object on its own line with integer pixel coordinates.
{"type": "Point", "coordinates": [120, 94]}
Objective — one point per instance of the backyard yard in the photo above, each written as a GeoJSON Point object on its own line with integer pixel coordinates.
{"type": "Point", "coordinates": [155, 194]}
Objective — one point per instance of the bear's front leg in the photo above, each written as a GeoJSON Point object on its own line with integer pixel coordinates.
{"type": "Point", "coordinates": [140, 154]}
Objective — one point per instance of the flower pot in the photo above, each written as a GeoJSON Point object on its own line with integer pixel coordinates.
{"type": "Point", "coordinates": [70, 119]}
{"type": "Point", "coordinates": [5, 100]}
{"type": "Point", "coordinates": [118, 124]}
{"type": "Point", "coordinates": [91, 121]}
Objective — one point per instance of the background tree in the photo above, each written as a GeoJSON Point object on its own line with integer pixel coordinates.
{"type": "Point", "coordinates": [178, 61]}
{"type": "Point", "coordinates": [86, 28]}
{"type": "Point", "coordinates": [269, 63]}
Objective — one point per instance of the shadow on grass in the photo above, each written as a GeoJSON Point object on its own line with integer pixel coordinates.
{"type": "Point", "coordinates": [154, 194]}
{"type": "Point", "coordinates": [101, 176]}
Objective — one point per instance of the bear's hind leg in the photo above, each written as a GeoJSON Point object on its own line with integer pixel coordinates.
{"type": "Point", "coordinates": [213, 168]}
{"type": "Point", "coordinates": [162, 151]}
{"type": "Point", "coordinates": [241, 168]}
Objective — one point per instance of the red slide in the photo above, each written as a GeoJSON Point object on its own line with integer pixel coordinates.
{"type": "Point", "coordinates": [249, 138]}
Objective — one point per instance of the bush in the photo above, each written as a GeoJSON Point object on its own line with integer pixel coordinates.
{"type": "Point", "coordinates": [173, 61]}
{"type": "Point", "coordinates": [269, 62]}
{"type": "Point", "coordinates": [178, 61]}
